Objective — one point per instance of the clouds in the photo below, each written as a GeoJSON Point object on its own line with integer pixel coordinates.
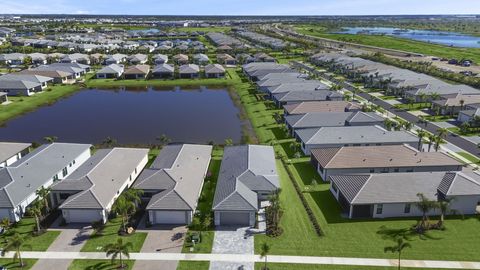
{"type": "Point", "coordinates": [241, 7]}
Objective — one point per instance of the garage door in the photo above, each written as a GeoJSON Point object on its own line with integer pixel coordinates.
{"type": "Point", "coordinates": [235, 218]}
{"type": "Point", "coordinates": [82, 216]}
{"type": "Point", "coordinates": [170, 217]}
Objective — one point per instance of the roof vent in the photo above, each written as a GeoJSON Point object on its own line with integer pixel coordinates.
{"type": "Point", "coordinates": [113, 179]}
{"type": "Point", "coordinates": [391, 159]}
{"type": "Point", "coordinates": [364, 159]}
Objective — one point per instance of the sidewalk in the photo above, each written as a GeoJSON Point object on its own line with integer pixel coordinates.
{"type": "Point", "coordinates": [256, 258]}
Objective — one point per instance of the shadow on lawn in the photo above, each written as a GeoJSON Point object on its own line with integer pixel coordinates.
{"type": "Point", "coordinates": [103, 266]}
{"type": "Point", "coordinates": [405, 233]}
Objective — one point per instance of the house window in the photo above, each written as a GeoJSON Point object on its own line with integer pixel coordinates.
{"type": "Point", "coordinates": [372, 170]}
{"type": "Point", "coordinates": [396, 170]}
{"type": "Point", "coordinates": [64, 172]}
{"type": "Point", "coordinates": [407, 208]}
{"type": "Point", "coordinates": [55, 177]}
{"type": "Point", "coordinates": [135, 170]}
{"type": "Point", "coordinates": [74, 161]}
{"type": "Point", "coordinates": [410, 170]}
{"type": "Point", "coordinates": [379, 209]}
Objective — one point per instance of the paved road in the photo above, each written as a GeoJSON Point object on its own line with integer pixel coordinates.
{"type": "Point", "coordinates": [460, 142]}
{"type": "Point", "coordinates": [255, 258]}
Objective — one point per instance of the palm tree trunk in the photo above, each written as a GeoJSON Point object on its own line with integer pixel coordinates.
{"type": "Point", "coordinates": [20, 259]}
{"type": "Point", "coordinates": [37, 221]}
{"type": "Point", "coordinates": [399, 259]}
{"type": "Point", "coordinates": [121, 261]}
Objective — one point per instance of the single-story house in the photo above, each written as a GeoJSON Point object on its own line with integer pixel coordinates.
{"type": "Point", "coordinates": [286, 98]}
{"type": "Point", "coordinates": [38, 58]}
{"type": "Point", "coordinates": [137, 72]}
{"type": "Point", "coordinates": [12, 152]}
{"type": "Point", "coordinates": [226, 59]}
{"type": "Point", "coordinates": [325, 137]}
{"type": "Point", "coordinates": [379, 159]}
{"type": "Point", "coordinates": [76, 58]}
{"type": "Point", "coordinates": [137, 59]}
{"type": "Point", "coordinates": [332, 119]}
{"type": "Point", "coordinates": [395, 194]}
{"type": "Point", "coordinates": [117, 58]}
{"type": "Point", "coordinates": [3, 98]}
{"type": "Point", "coordinates": [18, 84]}
{"type": "Point", "coordinates": [88, 194]}
{"type": "Point", "coordinates": [12, 59]}
{"type": "Point", "coordinates": [180, 59]}
{"type": "Point", "coordinates": [201, 59]}
{"type": "Point", "coordinates": [110, 71]}
{"type": "Point", "coordinates": [310, 85]}
{"type": "Point", "coordinates": [163, 71]}
{"type": "Point", "coordinates": [450, 105]}
{"type": "Point", "coordinates": [321, 106]}
{"type": "Point", "coordinates": [468, 115]}
{"type": "Point", "coordinates": [248, 175]}
{"type": "Point", "coordinates": [173, 183]}
{"type": "Point", "coordinates": [40, 168]}
{"type": "Point", "coordinates": [58, 76]}
{"type": "Point", "coordinates": [160, 59]}
{"type": "Point", "coordinates": [214, 71]}
{"type": "Point", "coordinates": [189, 71]}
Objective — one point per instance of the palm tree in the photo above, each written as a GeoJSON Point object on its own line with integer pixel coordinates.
{"type": "Point", "coordinates": [438, 141]}
{"type": "Point", "coordinates": [398, 248]}
{"type": "Point", "coordinates": [5, 224]}
{"type": "Point", "coordinates": [264, 250]}
{"type": "Point", "coordinates": [117, 250]}
{"type": "Point", "coordinates": [228, 142]}
{"type": "Point", "coordinates": [35, 209]}
{"type": "Point", "coordinates": [442, 132]}
{"type": "Point", "coordinates": [50, 139]}
{"type": "Point", "coordinates": [425, 205]}
{"type": "Point", "coordinates": [421, 134]}
{"type": "Point", "coordinates": [164, 140]}
{"type": "Point", "coordinates": [123, 207]}
{"type": "Point", "coordinates": [431, 140]}
{"type": "Point", "coordinates": [444, 207]}
{"type": "Point", "coordinates": [109, 141]}
{"type": "Point", "coordinates": [275, 207]}
{"type": "Point", "coordinates": [133, 195]}
{"type": "Point", "coordinates": [43, 194]}
{"type": "Point", "coordinates": [15, 243]}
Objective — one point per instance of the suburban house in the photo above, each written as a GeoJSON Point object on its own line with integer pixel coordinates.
{"type": "Point", "coordinates": [180, 59]}
{"type": "Point", "coordinates": [301, 96]}
{"type": "Point", "coordinates": [163, 71]}
{"type": "Point", "coordinates": [470, 114]}
{"type": "Point", "coordinates": [137, 72]}
{"type": "Point", "coordinates": [214, 71]}
{"type": "Point", "coordinates": [137, 59]}
{"type": "Point", "coordinates": [453, 104]}
{"type": "Point", "coordinates": [19, 84]}
{"type": "Point", "coordinates": [173, 183]}
{"type": "Point", "coordinates": [3, 98]}
{"type": "Point", "coordinates": [332, 119]}
{"type": "Point", "coordinates": [38, 58]}
{"type": "Point", "coordinates": [189, 71]}
{"type": "Point", "coordinates": [76, 58]}
{"type": "Point", "coordinates": [248, 174]}
{"type": "Point", "coordinates": [40, 168]}
{"type": "Point", "coordinates": [395, 194]}
{"type": "Point", "coordinates": [116, 59]}
{"type": "Point", "coordinates": [160, 59]}
{"type": "Point", "coordinates": [12, 59]}
{"type": "Point", "coordinates": [226, 59]}
{"type": "Point", "coordinates": [201, 59]}
{"type": "Point", "coordinates": [12, 152]}
{"type": "Point", "coordinates": [321, 106]}
{"type": "Point", "coordinates": [87, 195]}
{"type": "Point", "coordinates": [58, 76]}
{"type": "Point", "coordinates": [326, 137]}
{"type": "Point", "coordinates": [379, 159]}
{"type": "Point", "coordinates": [309, 85]}
{"type": "Point", "coordinates": [110, 71]}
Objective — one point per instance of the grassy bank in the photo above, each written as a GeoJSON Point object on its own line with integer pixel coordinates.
{"type": "Point", "coordinates": [21, 105]}
{"type": "Point", "coordinates": [396, 43]}
{"type": "Point", "coordinates": [108, 83]}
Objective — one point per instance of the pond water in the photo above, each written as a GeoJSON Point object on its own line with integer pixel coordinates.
{"type": "Point", "coordinates": [132, 117]}
{"type": "Point", "coordinates": [438, 37]}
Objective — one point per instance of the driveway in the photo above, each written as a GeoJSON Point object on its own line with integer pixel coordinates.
{"type": "Point", "coordinates": [161, 239]}
{"type": "Point", "coordinates": [71, 239]}
{"type": "Point", "coordinates": [230, 240]}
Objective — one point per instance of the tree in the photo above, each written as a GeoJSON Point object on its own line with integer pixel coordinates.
{"type": "Point", "coordinates": [264, 250]}
{"type": "Point", "coordinates": [109, 142]}
{"type": "Point", "coordinates": [421, 134]}
{"type": "Point", "coordinates": [118, 249]}
{"type": "Point", "coordinates": [442, 132]}
{"type": "Point", "coordinates": [275, 208]}
{"type": "Point", "coordinates": [425, 205]}
{"type": "Point", "coordinates": [124, 208]}
{"type": "Point", "coordinates": [465, 127]}
{"type": "Point", "coordinates": [15, 243]}
{"type": "Point", "coordinates": [50, 139]}
{"type": "Point", "coordinates": [228, 142]}
{"type": "Point", "coordinates": [431, 140]}
{"type": "Point", "coordinates": [35, 209]}
{"type": "Point", "coordinates": [407, 125]}
{"type": "Point", "coordinates": [398, 248]}
{"type": "Point", "coordinates": [207, 222]}
{"type": "Point", "coordinates": [164, 140]}
{"type": "Point", "coordinates": [43, 194]}
{"type": "Point", "coordinates": [133, 195]}
{"type": "Point", "coordinates": [444, 207]}
{"type": "Point", "coordinates": [438, 141]}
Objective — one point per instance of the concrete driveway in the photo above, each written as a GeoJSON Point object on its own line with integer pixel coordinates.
{"type": "Point", "coordinates": [71, 239]}
{"type": "Point", "coordinates": [161, 239]}
{"type": "Point", "coordinates": [230, 240]}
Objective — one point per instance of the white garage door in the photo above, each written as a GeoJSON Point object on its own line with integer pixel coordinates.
{"type": "Point", "coordinates": [170, 217]}
{"type": "Point", "coordinates": [82, 216]}
{"type": "Point", "coordinates": [235, 218]}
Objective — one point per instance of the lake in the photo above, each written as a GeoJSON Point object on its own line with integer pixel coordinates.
{"type": "Point", "coordinates": [133, 116]}
{"type": "Point", "coordinates": [431, 36]}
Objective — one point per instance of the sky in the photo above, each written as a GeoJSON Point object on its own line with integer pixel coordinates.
{"type": "Point", "coordinates": [240, 7]}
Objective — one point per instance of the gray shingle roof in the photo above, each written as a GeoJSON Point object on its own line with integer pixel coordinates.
{"type": "Point", "coordinates": [244, 170]}
{"type": "Point", "coordinates": [111, 69]}
{"type": "Point", "coordinates": [164, 68]}
{"type": "Point", "coordinates": [8, 150]}
{"type": "Point", "coordinates": [461, 183]}
{"type": "Point", "coordinates": [306, 95]}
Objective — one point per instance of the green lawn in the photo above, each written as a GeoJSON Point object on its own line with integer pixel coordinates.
{"type": "Point", "coordinates": [283, 266]}
{"type": "Point", "coordinates": [203, 247]}
{"type": "Point", "coordinates": [193, 265]}
{"type": "Point", "coordinates": [396, 44]}
{"type": "Point", "coordinates": [470, 157]}
{"type": "Point", "coordinates": [343, 237]}
{"type": "Point", "coordinates": [98, 265]}
{"type": "Point", "coordinates": [413, 107]}
{"type": "Point", "coordinates": [21, 105]}
{"type": "Point", "coordinates": [109, 83]}
{"type": "Point", "coordinates": [204, 29]}
{"type": "Point", "coordinates": [37, 243]}
{"type": "Point", "coordinates": [469, 133]}
{"type": "Point", "coordinates": [438, 118]}
{"type": "Point", "coordinates": [8, 263]}
{"type": "Point", "coordinates": [110, 235]}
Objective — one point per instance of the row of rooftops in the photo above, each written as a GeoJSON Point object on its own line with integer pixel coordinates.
{"type": "Point", "coordinates": [162, 68]}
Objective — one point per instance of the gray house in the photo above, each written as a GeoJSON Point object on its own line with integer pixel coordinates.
{"type": "Point", "coordinates": [395, 194]}
{"type": "Point", "coordinates": [3, 98]}
{"type": "Point", "coordinates": [137, 59]}
{"type": "Point", "coordinates": [201, 59]}
{"type": "Point", "coordinates": [110, 71]}
{"type": "Point", "coordinates": [163, 71]}
{"type": "Point", "coordinates": [301, 96]}
{"type": "Point", "coordinates": [189, 71]}
{"type": "Point", "coordinates": [12, 152]}
{"type": "Point", "coordinates": [321, 106]}
{"type": "Point", "coordinates": [137, 72]}
{"type": "Point", "coordinates": [352, 136]}
{"type": "Point", "coordinates": [214, 71]}
{"type": "Point", "coordinates": [160, 59]}
{"type": "Point", "coordinates": [40, 168]}
{"type": "Point", "coordinates": [332, 119]}
{"type": "Point", "coordinates": [248, 174]}
{"type": "Point", "coordinates": [87, 195]}
{"type": "Point", "coordinates": [173, 183]}
{"type": "Point", "coordinates": [379, 159]}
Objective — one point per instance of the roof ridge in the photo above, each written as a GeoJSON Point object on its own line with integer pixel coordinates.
{"type": "Point", "coordinates": [364, 184]}
{"type": "Point", "coordinates": [339, 149]}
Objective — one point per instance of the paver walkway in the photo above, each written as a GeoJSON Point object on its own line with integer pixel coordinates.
{"type": "Point", "coordinates": [55, 255]}
{"type": "Point", "coordinates": [229, 240]}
